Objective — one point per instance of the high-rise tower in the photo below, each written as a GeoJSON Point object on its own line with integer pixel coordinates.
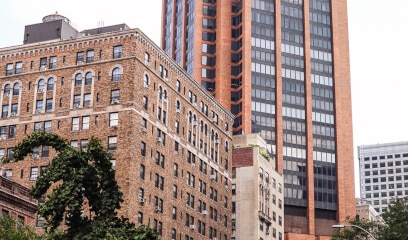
{"type": "Point", "coordinates": [282, 68]}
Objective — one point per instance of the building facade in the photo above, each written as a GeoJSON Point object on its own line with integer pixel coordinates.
{"type": "Point", "coordinates": [257, 191]}
{"type": "Point", "coordinates": [365, 211]}
{"type": "Point", "coordinates": [383, 173]}
{"type": "Point", "coordinates": [171, 140]}
{"type": "Point", "coordinates": [15, 200]}
{"type": "Point", "coordinates": [282, 68]}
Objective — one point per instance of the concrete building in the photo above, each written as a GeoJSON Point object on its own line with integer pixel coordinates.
{"type": "Point", "coordinates": [170, 138]}
{"type": "Point", "coordinates": [383, 173]}
{"type": "Point", "coordinates": [15, 200]}
{"type": "Point", "coordinates": [365, 211]}
{"type": "Point", "coordinates": [282, 68]}
{"type": "Point", "coordinates": [257, 191]}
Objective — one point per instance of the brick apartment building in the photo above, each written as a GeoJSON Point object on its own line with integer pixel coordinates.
{"type": "Point", "coordinates": [15, 200]}
{"type": "Point", "coordinates": [170, 138]}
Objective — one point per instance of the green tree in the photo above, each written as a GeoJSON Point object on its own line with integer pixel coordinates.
{"type": "Point", "coordinates": [78, 180]}
{"type": "Point", "coordinates": [355, 233]}
{"type": "Point", "coordinates": [394, 227]}
{"type": "Point", "coordinates": [396, 220]}
{"type": "Point", "coordinates": [10, 229]}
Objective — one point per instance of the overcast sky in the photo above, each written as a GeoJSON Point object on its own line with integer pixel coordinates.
{"type": "Point", "coordinates": [378, 32]}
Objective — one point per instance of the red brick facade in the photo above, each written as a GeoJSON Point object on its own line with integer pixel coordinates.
{"type": "Point", "coordinates": [194, 154]}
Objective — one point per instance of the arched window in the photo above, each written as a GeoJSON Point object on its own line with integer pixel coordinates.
{"type": "Point", "coordinates": [78, 80]}
{"type": "Point", "coordinates": [160, 92]}
{"type": "Point", "coordinates": [88, 78]}
{"type": "Point", "coordinates": [212, 135]}
{"type": "Point", "coordinates": [205, 129]}
{"type": "Point", "coordinates": [50, 84]}
{"type": "Point", "coordinates": [164, 94]}
{"type": "Point", "coordinates": [116, 74]}
{"type": "Point", "coordinates": [146, 81]}
{"type": "Point", "coordinates": [7, 89]}
{"type": "Point", "coordinates": [40, 86]}
{"type": "Point", "coordinates": [226, 146]}
{"type": "Point", "coordinates": [16, 88]}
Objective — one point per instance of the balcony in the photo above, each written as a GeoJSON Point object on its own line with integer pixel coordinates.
{"type": "Point", "coordinates": [265, 218]}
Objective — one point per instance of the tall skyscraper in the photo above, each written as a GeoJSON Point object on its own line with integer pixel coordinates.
{"type": "Point", "coordinates": [383, 173]}
{"type": "Point", "coordinates": [282, 68]}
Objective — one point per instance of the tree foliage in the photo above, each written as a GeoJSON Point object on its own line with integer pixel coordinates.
{"type": "Point", "coordinates": [79, 179]}
{"type": "Point", "coordinates": [394, 227]}
{"type": "Point", "coordinates": [354, 233]}
{"type": "Point", "coordinates": [11, 230]}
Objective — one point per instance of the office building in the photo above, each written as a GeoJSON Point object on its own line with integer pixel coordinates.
{"type": "Point", "coordinates": [383, 173]}
{"type": "Point", "coordinates": [170, 138]}
{"type": "Point", "coordinates": [257, 191]}
{"type": "Point", "coordinates": [282, 68]}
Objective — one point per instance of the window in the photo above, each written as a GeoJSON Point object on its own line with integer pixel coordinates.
{"type": "Point", "coordinates": [4, 112]}
{"type": "Point", "coordinates": [117, 52]}
{"type": "Point", "coordinates": [14, 109]}
{"type": "Point", "coordinates": [143, 149]}
{"type": "Point", "coordinates": [6, 90]}
{"type": "Point", "coordinates": [33, 173]}
{"type": "Point", "coordinates": [77, 101]}
{"type": "Point", "coordinates": [43, 64]}
{"type": "Point", "coordinates": [45, 151]}
{"type": "Point", "coordinates": [175, 168]}
{"type": "Point", "coordinates": [90, 56]}
{"type": "Point", "coordinates": [145, 102]}
{"type": "Point", "coordinates": [88, 78]}
{"type": "Point", "coordinates": [84, 143]}
{"type": "Point", "coordinates": [39, 106]}
{"type": "Point", "coordinates": [10, 153]}
{"type": "Point", "coordinates": [47, 126]}
{"type": "Point", "coordinates": [147, 58]}
{"type": "Point", "coordinates": [175, 191]}
{"type": "Point", "coordinates": [37, 127]}
{"type": "Point", "coordinates": [115, 95]}
{"type": "Point", "coordinates": [177, 106]}
{"type": "Point", "coordinates": [140, 218]}
{"type": "Point", "coordinates": [146, 81]}
{"type": "Point", "coordinates": [85, 122]}
{"type": "Point", "coordinates": [50, 84]}
{"type": "Point", "coordinates": [40, 86]}
{"type": "Point", "coordinates": [19, 67]}
{"type": "Point", "coordinates": [161, 70]}
{"type": "Point", "coordinates": [80, 58]}
{"type": "Point", "coordinates": [78, 80]}
{"type": "Point", "coordinates": [75, 124]}
{"type": "Point", "coordinates": [116, 74]}
{"type": "Point", "coordinates": [113, 119]}
{"type": "Point", "coordinates": [112, 143]}
{"type": "Point", "coordinates": [177, 126]}
{"type": "Point", "coordinates": [87, 99]}
{"type": "Point", "coordinates": [12, 131]}
{"type": "Point", "coordinates": [142, 172]}
{"type": "Point", "coordinates": [9, 69]}
{"type": "Point", "coordinates": [53, 62]}
{"type": "Point", "coordinates": [48, 105]}
{"type": "Point", "coordinates": [16, 89]}
{"type": "Point", "coordinates": [178, 86]}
